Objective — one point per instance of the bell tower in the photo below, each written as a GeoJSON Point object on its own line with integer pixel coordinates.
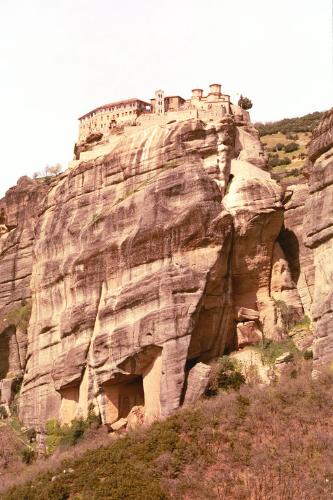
{"type": "Point", "coordinates": [159, 102]}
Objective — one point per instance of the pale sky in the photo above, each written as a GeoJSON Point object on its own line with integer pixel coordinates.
{"type": "Point", "coordinates": [60, 58]}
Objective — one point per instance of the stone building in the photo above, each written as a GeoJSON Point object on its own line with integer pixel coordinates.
{"type": "Point", "coordinates": [161, 104]}
{"type": "Point", "coordinates": [103, 118]}
{"type": "Point", "coordinates": [215, 99]}
{"type": "Point", "coordinates": [161, 110]}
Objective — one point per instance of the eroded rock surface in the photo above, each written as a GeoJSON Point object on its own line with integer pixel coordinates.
{"type": "Point", "coordinates": [18, 219]}
{"type": "Point", "coordinates": [318, 226]}
{"type": "Point", "coordinates": [157, 252]}
{"type": "Point", "coordinates": [292, 240]}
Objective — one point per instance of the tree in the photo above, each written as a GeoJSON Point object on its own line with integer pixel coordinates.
{"type": "Point", "coordinates": [291, 147]}
{"type": "Point", "coordinates": [53, 170]}
{"type": "Point", "coordinates": [245, 102]}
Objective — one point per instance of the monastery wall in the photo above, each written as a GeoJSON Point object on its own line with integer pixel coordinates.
{"type": "Point", "coordinates": [150, 119]}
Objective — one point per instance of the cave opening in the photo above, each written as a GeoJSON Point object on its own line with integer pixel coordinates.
{"type": "Point", "coordinates": [290, 246]}
{"type": "Point", "coordinates": [6, 340]}
{"type": "Point", "coordinates": [123, 396]}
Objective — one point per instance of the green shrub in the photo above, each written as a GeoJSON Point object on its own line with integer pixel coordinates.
{"type": "Point", "coordinates": [72, 434]}
{"type": "Point", "coordinates": [243, 404]}
{"type": "Point", "coordinates": [20, 316]}
{"type": "Point", "coordinates": [53, 435]}
{"type": "Point", "coordinates": [69, 435]}
{"type": "Point", "coordinates": [286, 313]}
{"type": "Point", "coordinates": [303, 324]}
{"type": "Point", "coordinates": [270, 350]}
{"type": "Point", "coordinates": [31, 435]}
{"type": "Point", "coordinates": [28, 455]}
{"type": "Point", "coordinates": [284, 161]}
{"type": "Point", "coordinates": [274, 441]}
{"type": "Point", "coordinates": [225, 375]}
{"type": "Point", "coordinates": [275, 161]}
{"type": "Point", "coordinates": [245, 102]}
{"type": "Point", "coordinates": [93, 420]}
{"type": "Point", "coordinates": [290, 125]}
{"type": "Point", "coordinates": [291, 146]}
{"type": "Point", "coordinates": [292, 137]}
{"type": "Point", "coordinates": [3, 413]}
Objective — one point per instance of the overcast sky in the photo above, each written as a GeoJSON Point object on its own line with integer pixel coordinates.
{"type": "Point", "coordinates": [60, 58]}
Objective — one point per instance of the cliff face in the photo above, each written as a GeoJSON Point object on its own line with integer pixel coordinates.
{"type": "Point", "coordinates": [157, 252]}
{"type": "Point", "coordinates": [18, 219]}
{"type": "Point", "coordinates": [318, 226]}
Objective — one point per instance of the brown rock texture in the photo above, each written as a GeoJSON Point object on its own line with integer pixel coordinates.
{"type": "Point", "coordinates": [292, 240]}
{"type": "Point", "coordinates": [318, 226]}
{"type": "Point", "coordinates": [260, 272]}
{"type": "Point", "coordinates": [18, 219]}
{"type": "Point", "coordinates": [157, 252]}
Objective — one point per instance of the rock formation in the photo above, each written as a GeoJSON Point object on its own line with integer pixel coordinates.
{"type": "Point", "coordinates": [318, 227]}
{"type": "Point", "coordinates": [18, 218]}
{"type": "Point", "coordinates": [159, 250]}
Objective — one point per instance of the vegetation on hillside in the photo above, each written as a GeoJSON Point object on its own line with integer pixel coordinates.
{"type": "Point", "coordinates": [286, 143]}
{"type": "Point", "coordinates": [287, 155]}
{"type": "Point", "coordinates": [258, 443]}
{"type": "Point", "coordinates": [304, 123]}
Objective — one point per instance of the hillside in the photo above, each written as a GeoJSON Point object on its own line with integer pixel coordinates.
{"type": "Point", "coordinates": [286, 143]}
{"type": "Point", "coordinates": [305, 123]}
{"type": "Point", "coordinates": [287, 156]}
{"type": "Point", "coordinates": [259, 443]}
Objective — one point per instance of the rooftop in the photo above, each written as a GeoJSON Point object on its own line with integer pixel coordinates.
{"type": "Point", "coordinates": [111, 104]}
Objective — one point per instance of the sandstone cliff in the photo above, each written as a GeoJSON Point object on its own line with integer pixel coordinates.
{"type": "Point", "coordinates": [160, 250]}
{"type": "Point", "coordinates": [318, 227]}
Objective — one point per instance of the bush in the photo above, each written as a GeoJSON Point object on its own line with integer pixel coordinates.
{"type": "Point", "coordinates": [270, 350]}
{"type": "Point", "coordinates": [3, 413]}
{"type": "Point", "coordinates": [20, 316]}
{"type": "Point", "coordinates": [28, 455]}
{"type": "Point", "coordinates": [93, 420]}
{"type": "Point", "coordinates": [275, 161]}
{"type": "Point", "coordinates": [245, 102]}
{"type": "Point", "coordinates": [53, 435]}
{"type": "Point", "coordinates": [72, 434]}
{"type": "Point", "coordinates": [69, 435]}
{"type": "Point", "coordinates": [284, 161]}
{"type": "Point", "coordinates": [274, 442]}
{"type": "Point", "coordinates": [31, 435]}
{"type": "Point", "coordinates": [292, 137]}
{"type": "Point", "coordinates": [304, 323]}
{"type": "Point", "coordinates": [286, 314]}
{"type": "Point", "coordinates": [225, 375]}
{"type": "Point", "coordinates": [291, 146]}
{"type": "Point", "coordinates": [279, 146]}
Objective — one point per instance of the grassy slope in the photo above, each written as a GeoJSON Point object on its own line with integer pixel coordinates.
{"type": "Point", "coordinates": [291, 173]}
{"type": "Point", "coordinates": [273, 133]}
{"type": "Point", "coordinates": [259, 443]}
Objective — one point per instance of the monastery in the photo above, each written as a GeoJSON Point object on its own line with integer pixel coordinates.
{"type": "Point", "coordinates": [161, 110]}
